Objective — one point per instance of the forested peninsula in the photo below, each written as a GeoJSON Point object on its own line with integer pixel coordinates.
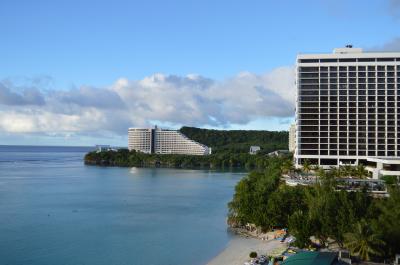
{"type": "Point", "coordinates": [230, 149]}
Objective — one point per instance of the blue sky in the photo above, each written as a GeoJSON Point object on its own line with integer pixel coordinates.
{"type": "Point", "coordinates": [56, 56]}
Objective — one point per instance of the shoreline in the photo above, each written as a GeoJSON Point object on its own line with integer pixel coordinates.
{"type": "Point", "coordinates": [107, 163]}
{"type": "Point", "coordinates": [238, 249]}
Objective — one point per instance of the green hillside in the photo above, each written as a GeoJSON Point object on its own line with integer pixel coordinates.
{"type": "Point", "coordinates": [238, 141]}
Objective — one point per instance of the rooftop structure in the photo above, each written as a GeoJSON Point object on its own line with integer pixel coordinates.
{"type": "Point", "coordinates": [161, 141]}
{"type": "Point", "coordinates": [348, 107]}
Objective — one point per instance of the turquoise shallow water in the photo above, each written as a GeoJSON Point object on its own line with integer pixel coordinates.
{"type": "Point", "coordinates": [55, 210]}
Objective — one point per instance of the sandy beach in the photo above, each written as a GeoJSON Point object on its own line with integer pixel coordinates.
{"type": "Point", "coordinates": [239, 248]}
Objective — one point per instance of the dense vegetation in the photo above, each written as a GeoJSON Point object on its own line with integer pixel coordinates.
{"type": "Point", "coordinates": [238, 141]}
{"type": "Point", "coordinates": [230, 149]}
{"type": "Point", "coordinates": [126, 158]}
{"type": "Point", "coordinates": [369, 227]}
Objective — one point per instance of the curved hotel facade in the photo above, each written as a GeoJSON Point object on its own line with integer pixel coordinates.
{"type": "Point", "coordinates": [348, 107]}
{"type": "Point", "coordinates": [160, 141]}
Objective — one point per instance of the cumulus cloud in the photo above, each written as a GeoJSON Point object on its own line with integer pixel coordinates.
{"type": "Point", "coordinates": [90, 97]}
{"type": "Point", "coordinates": [28, 96]}
{"type": "Point", "coordinates": [181, 100]}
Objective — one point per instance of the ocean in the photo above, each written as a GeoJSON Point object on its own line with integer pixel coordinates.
{"type": "Point", "coordinates": [54, 210]}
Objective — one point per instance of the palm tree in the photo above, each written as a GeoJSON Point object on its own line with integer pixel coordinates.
{"type": "Point", "coordinates": [335, 172]}
{"type": "Point", "coordinates": [363, 242]}
{"type": "Point", "coordinates": [306, 166]}
{"type": "Point", "coordinates": [287, 166]}
{"type": "Point", "coordinates": [346, 171]}
{"type": "Point", "coordinates": [315, 168]}
{"type": "Point", "coordinates": [360, 171]}
{"type": "Point", "coordinates": [320, 172]}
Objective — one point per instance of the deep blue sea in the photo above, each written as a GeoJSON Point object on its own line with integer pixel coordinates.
{"type": "Point", "coordinates": [54, 210]}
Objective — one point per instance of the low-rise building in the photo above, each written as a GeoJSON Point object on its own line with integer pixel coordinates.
{"type": "Point", "coordinates": [254, 149]}
{"type": "Point", "coordinates": [104, 148]}
{"type": "Point", "coordinates": [385, 166]}
{"type": "Point", "coordinates": [161, 141]}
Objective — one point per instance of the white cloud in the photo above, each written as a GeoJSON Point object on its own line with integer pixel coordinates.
{"type": "Point", "coordinates": [181, 100]}
{"type": "Point", "coordinates": [35, 120]}
{"type": "Point", "coordinates": [11, 96]}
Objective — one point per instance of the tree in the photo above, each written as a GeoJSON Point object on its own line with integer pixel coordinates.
{"type": "Point", "coordinates": [287, 166]}
{"type": "Point", "coordinates": [253, 254]}
{"type": "Point", "coordinates": [336, 172]}
{"type": "Point", "coordinates": [306, 166]}
{"type": "Point", "coordinates": [363, 242]}
{"type": "Point", "coordinates": [320, 172]}
{"type": "Point", "coordinates": [346, 171]}
{"type": "Point", "coordinates": [316, 200]}
{"type": "Point", "coordinates": [389, 221]}
{"type": "Point", "coordinates": [238, 141]}
{"type": "Point", "coordinates": [250, 201]}
{"type": "Point", "coordinates": [299, 227]}
{"type": "Point", "coordinates": [282, 203]}
{"type": "Point", "coordinates": [315, 168]}
{"type": "Point", "coordinates": [360, 171]}
{"type": "Point", "coordinates": [368, 226]}
{"type": "Point", "coordinates": [343, 217]}
{"type": "Point", "coordinates": [390, 180]}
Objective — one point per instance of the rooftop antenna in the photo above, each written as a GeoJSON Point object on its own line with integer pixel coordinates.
{"type": "Point", "coordinates": [349, 46]}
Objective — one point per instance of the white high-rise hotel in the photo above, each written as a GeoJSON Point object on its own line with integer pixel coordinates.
{"type": "Point", "coordinates": [348, 108]}
{"type": "Point", "coordinates": [160, 141]}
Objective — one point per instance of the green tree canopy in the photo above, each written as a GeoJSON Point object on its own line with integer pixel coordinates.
{"type": "Point", "coordinates": [363, 241]}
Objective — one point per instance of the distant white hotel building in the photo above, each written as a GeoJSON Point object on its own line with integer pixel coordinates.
{"type": "Point", "coordinates": [348, 108]}
{"type": "Point", "coordinates": [160, 141]}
